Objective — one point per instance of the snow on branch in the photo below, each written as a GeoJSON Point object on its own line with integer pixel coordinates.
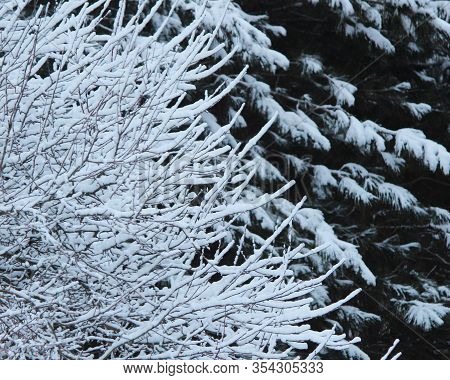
{"type": "Point", "coordinates": [116, 202]}
{"type": "Point", "coordinates": [370, 136]}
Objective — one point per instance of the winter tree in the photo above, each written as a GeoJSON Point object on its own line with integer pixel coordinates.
{"type": "Point", "coordinates": [360, 88]}
{"type": "Point", "coordinates": [384, 110]}
{"type": "Point", "coordinates": [120, 204]}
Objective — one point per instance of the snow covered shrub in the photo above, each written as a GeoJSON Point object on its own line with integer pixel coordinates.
{"type": "Point", "coordinates": [116, 201]}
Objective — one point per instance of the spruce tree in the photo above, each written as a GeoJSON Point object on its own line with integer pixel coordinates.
{"type": "Point", "coordinates": [374, 78]}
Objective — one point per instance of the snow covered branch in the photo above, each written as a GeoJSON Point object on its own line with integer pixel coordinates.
{"type": "Point", "coordinates": [116, 201]}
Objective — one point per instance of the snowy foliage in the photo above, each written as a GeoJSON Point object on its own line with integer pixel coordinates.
{"type": "Point", "coordinates": [338, 118]}
{"type": "Point", "coordinates": [424, 315]}
{"type": "Point", "coordinates": [118, 202]}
